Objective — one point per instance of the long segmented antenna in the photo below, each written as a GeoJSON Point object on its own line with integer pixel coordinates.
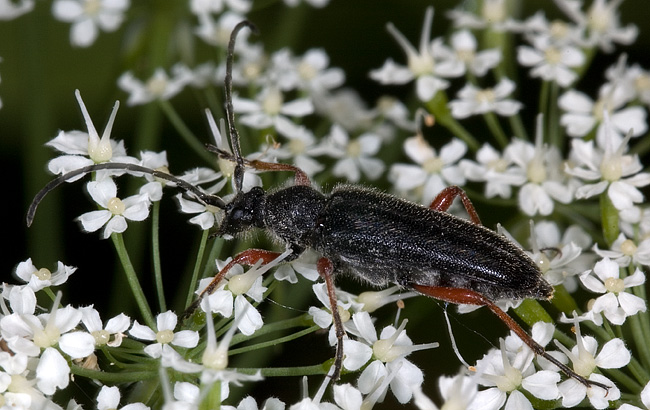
{"type": "Point", "coordinates": [184, 185]}
{"type": "Point", "coordinates": [234, 135]}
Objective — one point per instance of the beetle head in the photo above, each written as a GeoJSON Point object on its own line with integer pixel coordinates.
{"type": "Point", "coordinates": [243, 212]}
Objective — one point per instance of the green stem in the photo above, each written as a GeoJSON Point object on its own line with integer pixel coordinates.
{"type": "Point", "coordinates": [609, 218]}
{"type": "Point", "coordinates": [108, 377]}
{"type": "Point", "coordinates": [213, 399]}
{"type": "Point", "coordinates": [132, 278]}
{"type": "Point", "coordinates": [288, 371]}
{"type": "Point", "coordinates": [197, 268]}
{"type": "Point", "coordinates": [186, 134]}
{"type": "Point", "coordinates": [273, 327]}
{"type": "Point", "coordinates": [157, 266]}
{"type": "Point", "coordinates": [440, 110]}
{"type": "Point", "coordinates": [494, 126]}
{"type": "Point", "coordinates": [554, 132]}
{"type": "Point", "coordinates": [642, 338]}
{"type": "Point", "coordinates": [274, 342]}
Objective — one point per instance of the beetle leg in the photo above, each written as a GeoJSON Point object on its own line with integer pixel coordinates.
{"type": "Point", "coordinates": [300, 177]}
{"type": "Point", "coordinates": [326, 271]}
{"type": "Point", "coordinates": [470, 297]}
{"type": "Point", "coordinates": [248, 257]}
{"type": "Point", "coordinates": [446, 197]}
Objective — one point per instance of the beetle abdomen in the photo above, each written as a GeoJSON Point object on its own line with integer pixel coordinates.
{"type": "Point", "coordinates": [386, 239]}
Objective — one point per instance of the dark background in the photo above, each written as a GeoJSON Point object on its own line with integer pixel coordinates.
{"type": "Point", "coordinates": [40, 71]}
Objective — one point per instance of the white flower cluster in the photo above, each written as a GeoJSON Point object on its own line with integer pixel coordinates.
{"type": "Point", "coordinates": [296, 109]}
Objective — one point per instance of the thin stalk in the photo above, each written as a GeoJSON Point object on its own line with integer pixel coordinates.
{"type": "Point", "coordinates": [275, 342]}
{"type": "Point", "coordinates": [186, 134]}
{"type": "Point", "coordinates": [132, 278]}
{"type": "Point", "coordinates": [155, 245]}
{"type": "Point", "coordinates": [197, 267]}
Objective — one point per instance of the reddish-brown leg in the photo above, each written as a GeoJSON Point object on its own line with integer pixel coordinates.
{"type": "Point", "coordinates": [300, 177]}
{"type": "Point", "coordinates": [446, 197]}
{"type": "Point", "coordinates": [248, 257]}
{"type": "Point", "coordinates": [470, 297]}
{"type": "Point", "coordinates": [326, 271]}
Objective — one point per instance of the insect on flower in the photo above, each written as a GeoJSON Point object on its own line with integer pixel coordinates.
{"type": "Point", "coordinates": [368, 234]}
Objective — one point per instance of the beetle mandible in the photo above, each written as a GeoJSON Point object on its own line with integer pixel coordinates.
{"type": "Point", "coordinates": [368, 234]}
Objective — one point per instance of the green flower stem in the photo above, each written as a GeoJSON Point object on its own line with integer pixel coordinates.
{"type": "Point", "coordinates": [543, 103]}
{"type": "Point", "coordinates": [553, 130]}
{"type": "Point", "coordinates": [609, 218]}
{"type": "Point", "coordinates": [531, 312]}
{"type": "Point", "coordinates": [155, 245]}
{"type": "Point", "coordinates": [297, 321]}
{"type": "Point", "coordinates": [186, 134]}
{"type": "Point", "coordinates": [622, 378]}
{"type": "Point", "coordinates": [117, 377]}
{"type": "Point", "coordinates": [517, 126]}
{"type": "Point", "coordinates": [213, 399]}
{"type": "Point", "coordinates": [438, 106]}
{"type": "Point", "coordinates": [274, 342]}
{"type": "Point", "coordinates": [639, 329]}
{"type": "Point", "coordinates": [132, 278]}
{"type": "Point", "coordinates": [495, 128]}
{"type": "Point", "coordinates": [197, 267]}
{"type": "Point", "coordinates": [288, 371]}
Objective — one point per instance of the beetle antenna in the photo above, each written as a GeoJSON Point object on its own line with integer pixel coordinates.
{"type": "Point", "coordinates": [184, 185]}
{"type": "Point", "coordinates": [234, 134]}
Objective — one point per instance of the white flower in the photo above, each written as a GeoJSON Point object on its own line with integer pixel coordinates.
{"type": "Point", "coordinates": [601, 22]}
{"type": "Point", "coordinates": [498, 172]}
{"type": "Point", "coordinates": [389, 352]}
{"type": "Point", "coordinates": [305, 265]}
{"type": "Point", "coordinates": [158, 87]}
{"type": "Point", "coordinates": [239, 285]}
{"type": "Point", "coordinates": [551, 62]}
{"type": "Point", "coordinates": [493, 15]}
{"type": "Point", "coordinates": [215, 358]}
{"type": "Point", "coordinates": [615, 303]}
{"type": "Point", "coordinates": [85, 149]}
{"type": "Point", "coordinates": [309, 72]}
{"type": "Point", "coordinates": [302, 146]}
{"type": "Point", "coordinates": [624, 251]}
{"type": "Point", "coordinates": [458, 391]}
{"type": "Point", "coordinates": [542, 166]}
{"type": "Point", "coordinates": [473, 100]}
{"type": "Point", "coordinates": [10, 9]}
{"type": "Point", "coordinates": [464, 47]}
{"type": "Point", "coordinates": [165, 324]}
{"type": "Point", "coordinates": [88, 16]}
{"type": "Point", "coordinates": [217, 6]}
{"type": "Point", "coordinates": [613, 355]}
{"type": "Point", "coordinates": [426, 65]}
{"type": "Point", "coordinates": [116, 211]}
{"type": "Point", "coordinates": [434, 171]}
{"type": "Point", "coordinates": [109, 399]}
{"type": "Point", "coordinates": [38, 279]}
{"type": "Point", "coordinates": [354, 156]}
{"type": "Point", "coordinates": [582, 114]}
{"type": "Point", "coordinates": [33, 335]}
{"type": "Point", "coordinates": [268, 109]}
{"type": "Point", "coordinates": [109, 335]}
{"type": "Point", "coordinates": [568, 259]}
{"type": "Point", "coordinates": [611, 170]}
{"type": "Point", "coordinates": [510, 369]}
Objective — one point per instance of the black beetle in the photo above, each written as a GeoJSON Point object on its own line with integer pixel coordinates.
{"type": "Point", "coordinates": [368, 234]}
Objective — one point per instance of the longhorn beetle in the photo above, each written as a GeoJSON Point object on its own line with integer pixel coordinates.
{"type": "Point", "coordinates": [365, 233]}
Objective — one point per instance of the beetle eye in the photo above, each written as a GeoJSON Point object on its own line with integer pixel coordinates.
{"type": "Point", "coordinates": [237, 214]}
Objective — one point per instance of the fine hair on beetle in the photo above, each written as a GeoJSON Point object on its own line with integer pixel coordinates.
{"type": "Point", "coordinates": [364, 233]}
